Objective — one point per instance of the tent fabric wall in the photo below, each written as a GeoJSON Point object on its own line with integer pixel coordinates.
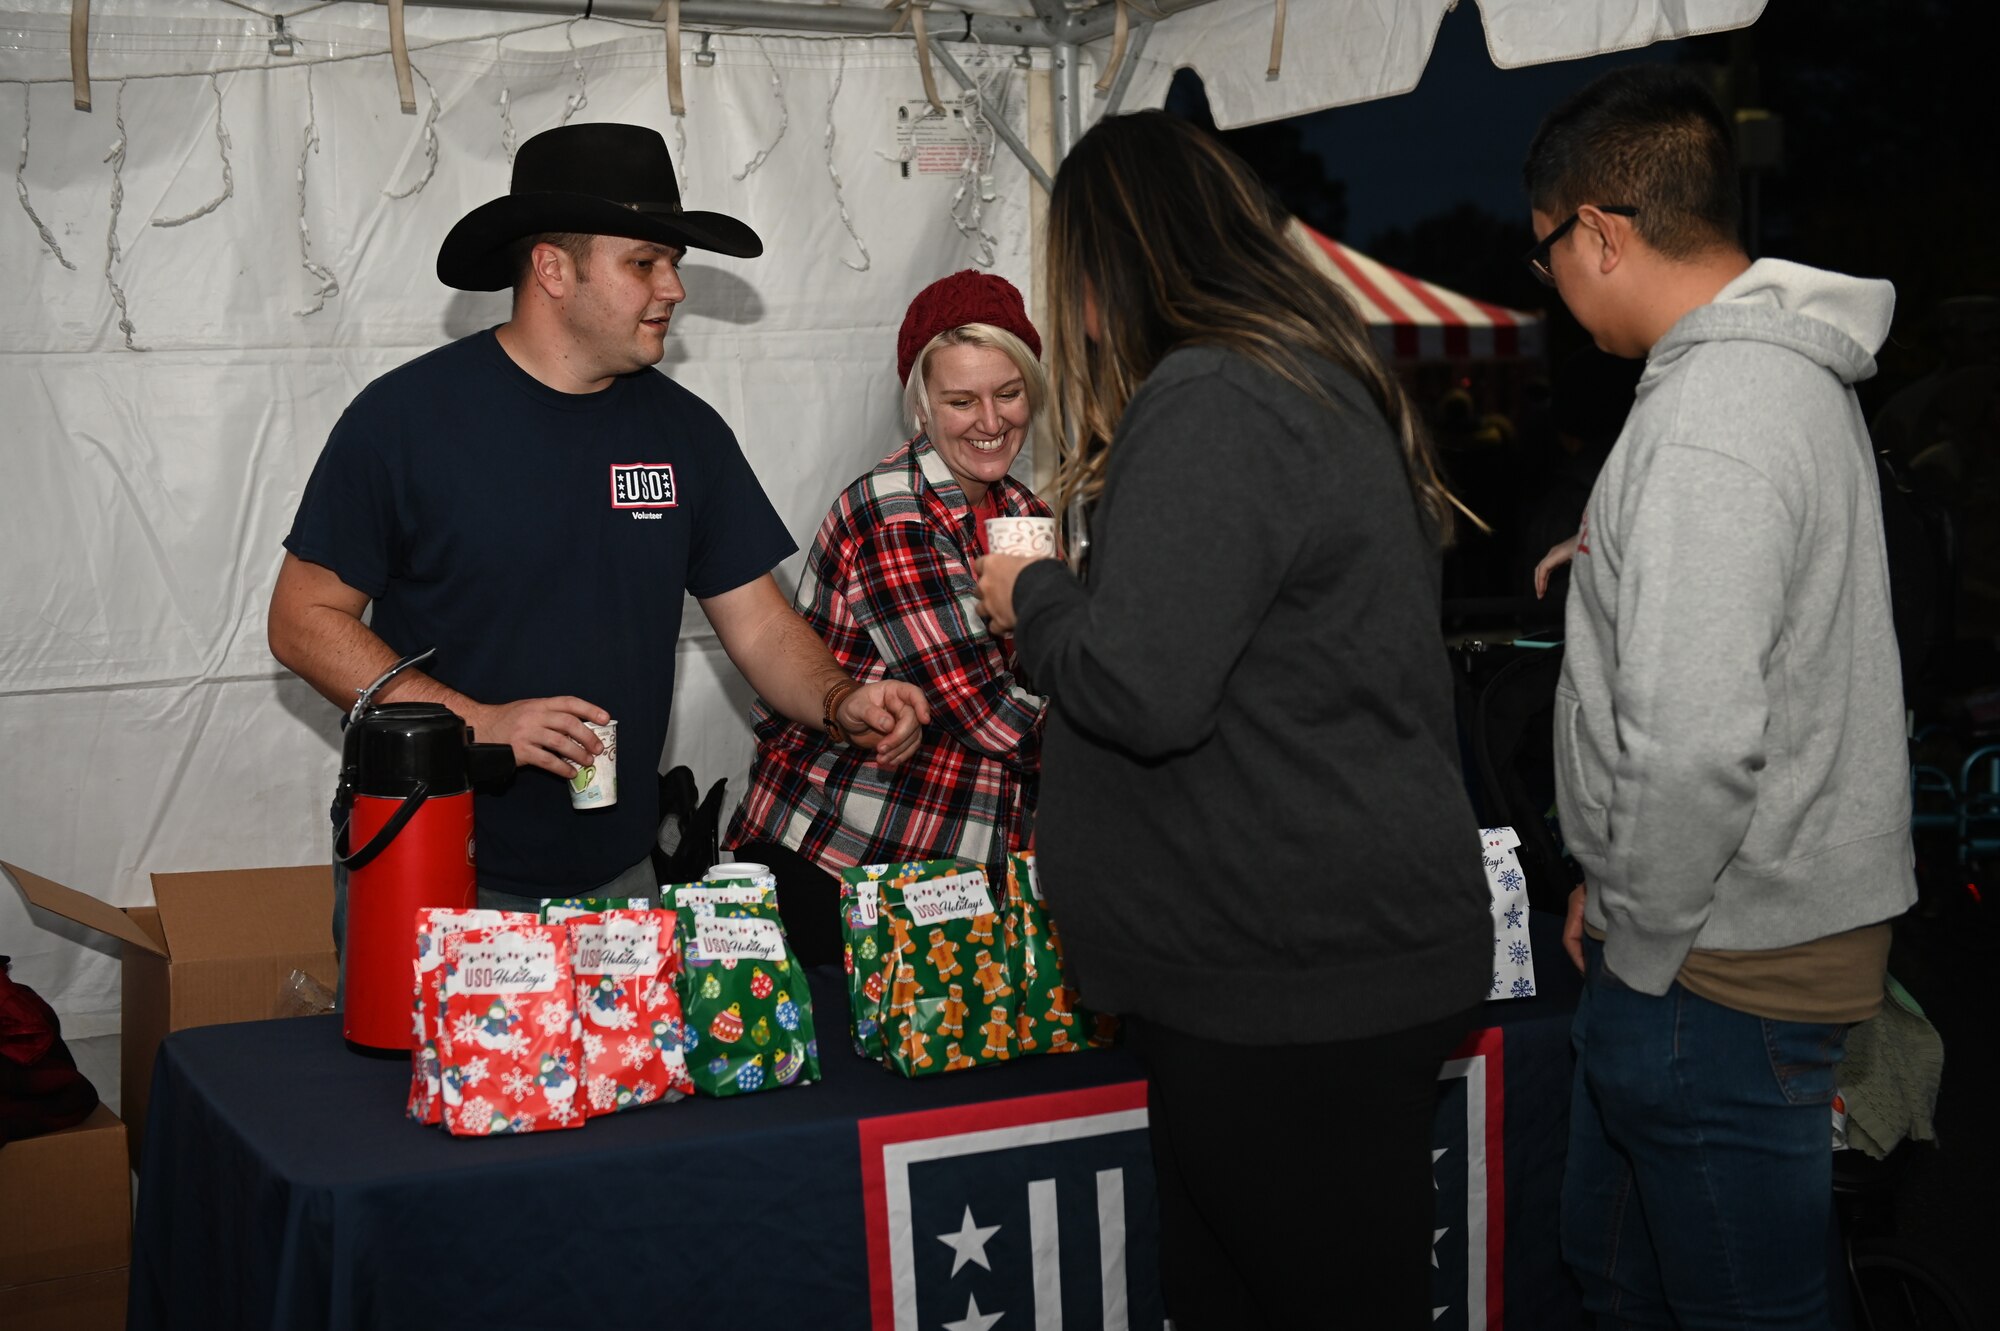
{"type": "Point", "coordinates": [144, 494]}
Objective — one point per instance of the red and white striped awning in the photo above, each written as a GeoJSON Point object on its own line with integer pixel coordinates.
{"type": "Point", "coordinates": [1415, 320]}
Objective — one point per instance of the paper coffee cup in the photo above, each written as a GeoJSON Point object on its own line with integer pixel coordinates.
{"type": "Point", "coordinates": [735, 869]}
{"type": "Point", "coordinates": [1031, 538]}
{"type": "Point", "coordinates": [595, 785]}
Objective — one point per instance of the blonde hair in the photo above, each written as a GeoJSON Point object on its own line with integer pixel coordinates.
{"type": "Point", "coordinates": [916, 391]}
{"type": "Point", "coordinates": [1179, 244]}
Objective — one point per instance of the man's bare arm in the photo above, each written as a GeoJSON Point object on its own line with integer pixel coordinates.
{"type": "Point", "coordinates": [315, 631]}
{"type": "Point", "coordinates": [792, 670]}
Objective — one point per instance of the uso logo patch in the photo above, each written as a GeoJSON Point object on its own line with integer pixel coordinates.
{"type": "Point", "coordinates": [643, 485]}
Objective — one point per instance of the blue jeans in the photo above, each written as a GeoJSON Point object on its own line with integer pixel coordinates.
{"type": "Point", "coordinates": [1698, 1192]}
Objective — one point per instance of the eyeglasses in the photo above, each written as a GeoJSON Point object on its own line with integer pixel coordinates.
{"type": "Point", "coordinates": [1537, 258]}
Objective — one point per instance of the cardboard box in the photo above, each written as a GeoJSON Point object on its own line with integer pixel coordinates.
{"type": "Point", "coordinates": [68, 1207]}
{"type": "Point", "coordinates": [95, 1302]}
{"type": "Point", "coordinates": [214, 947]}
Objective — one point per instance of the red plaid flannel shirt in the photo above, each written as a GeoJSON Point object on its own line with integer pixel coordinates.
{"type": "Point", "coordinates": [888, 586]}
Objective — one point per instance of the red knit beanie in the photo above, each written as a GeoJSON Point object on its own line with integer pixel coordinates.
{"type": "Point", "coordinates": [968, 297]}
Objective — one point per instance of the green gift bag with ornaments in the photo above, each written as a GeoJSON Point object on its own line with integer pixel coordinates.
{"type": "Point", "coordinates": [749, 1024]}
{"type": "Point", "coordinates": [1048, 1019]}
{"type": "Point", "coordinates": [863, 936]}
{"type": "Point", "coordinates": [949, 997]}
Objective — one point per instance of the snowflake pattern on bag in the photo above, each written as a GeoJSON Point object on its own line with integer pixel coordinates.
{"type": "Point", "coordinates": [494, 981]}
{"type": "Point", "coordinates": [426, 1099]}
{"type": "Point", "coordinates": [1513, 957]}
{"type": "Point", "coordinates": [625, 962]}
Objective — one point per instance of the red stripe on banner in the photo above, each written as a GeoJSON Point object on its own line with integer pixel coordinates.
{"type": "Point", "coordinates": [1457, 340]}
{"type": "Point", "coordinates": [1491, 1042]}
{"type": "Point", "coordinates": [888, 1129]}
{"type": "Point", "coordinates": [1506, 328]}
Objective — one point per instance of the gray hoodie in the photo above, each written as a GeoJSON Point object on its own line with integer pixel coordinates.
{"type": "Point", "coordinates": [1731, 768]}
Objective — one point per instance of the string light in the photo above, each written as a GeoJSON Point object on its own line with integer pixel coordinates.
{"type": "Point", "coordinates": [228, 176]}
{"type": "Point", "coordinates": [430, 142]}
{"type": "Point", "coordinates": [329, 285]}
{"type": "Point", "coordinates": [967, 205]}
{"type": "Point", "coordinates": [21, 184]}
{"type": "Point", "coordinates": [784, 115]}
{"type": "Point", "coordinates": [839, 197]}
{"type": "Point", "coordinates": [579, 99]}
{"type": "Point", "coordinates": [112, 253]}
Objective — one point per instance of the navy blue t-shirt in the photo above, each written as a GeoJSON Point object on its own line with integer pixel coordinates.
{"type": "Point", "coordinates": [541, 541]}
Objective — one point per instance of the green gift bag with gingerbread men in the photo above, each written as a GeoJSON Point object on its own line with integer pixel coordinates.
{"type": "Point", "coordinates": [949, 995]}
{"type": "Point", "coordinates": [1048, 1019]}
{"type": "Point", "coordinates": [863, 935]}
{"type": "Point", "coordinates": [748, 1017]}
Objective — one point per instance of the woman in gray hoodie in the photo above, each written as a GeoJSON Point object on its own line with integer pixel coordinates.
{"type": "Point", "coordinates": [1253, 827]}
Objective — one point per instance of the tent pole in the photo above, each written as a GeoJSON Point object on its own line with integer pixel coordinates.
{"type": "Point", "coordinates": [854, 20]}
{"type": "Point", "coordinates": [1066, 56]}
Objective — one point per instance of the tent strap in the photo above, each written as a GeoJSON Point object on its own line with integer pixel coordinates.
{"type": "Point", "coordinates": [669, 13]}
{"type": "Point", "coordinates": [399, 52]}
{"type": "Point", "coordinates": [79, 53]}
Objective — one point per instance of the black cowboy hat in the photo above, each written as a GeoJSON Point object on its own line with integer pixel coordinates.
{"type": "Point", "coordinates": [605, 180]}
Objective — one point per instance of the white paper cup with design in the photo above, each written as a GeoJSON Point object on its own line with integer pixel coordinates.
{"type": "Point", "coordinates": [1030, 538]}
{"type": "Point", "coordinates": [594, 785]}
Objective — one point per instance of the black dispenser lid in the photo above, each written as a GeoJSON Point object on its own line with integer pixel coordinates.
{"type": "Point", "coordinates": [395, 745]}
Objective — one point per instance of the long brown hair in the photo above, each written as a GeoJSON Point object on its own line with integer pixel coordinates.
{"type": "Point", "coordinates": [1180, 244]}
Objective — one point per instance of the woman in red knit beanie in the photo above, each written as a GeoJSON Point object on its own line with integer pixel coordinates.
{"type": "Point", "coordinates": [889, 586]}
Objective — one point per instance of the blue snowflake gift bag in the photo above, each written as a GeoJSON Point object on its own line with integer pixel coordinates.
{"type": "Point", "coordinates": [509, 1003]}
{"type": "Point", "coordinates": [1513, 958]}
{"type": "Point", "coordinates": [433, 1043]}
{"type": "Point", "coordinates": [626, 963]}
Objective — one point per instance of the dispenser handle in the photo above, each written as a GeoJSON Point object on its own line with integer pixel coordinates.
{"type": "Point", "coordinates": [368, 694]}
{"type": "Point", "coordinates": [378, 843]}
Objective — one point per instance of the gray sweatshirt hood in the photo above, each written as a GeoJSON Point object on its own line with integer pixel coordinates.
{"type": "Point", "coordinates": [1834, 320]}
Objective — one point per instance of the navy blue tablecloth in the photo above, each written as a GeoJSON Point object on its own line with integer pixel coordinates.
{"type": "Point", "coordinates": [282, 1187]}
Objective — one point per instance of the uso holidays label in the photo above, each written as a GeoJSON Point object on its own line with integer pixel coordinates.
{"type": "Point", "coordinates": [508, 963]}
{"type": "Point", "coordinates": [617, 947]}
{"type": "Point", "coordinates": [959, 896]}
{"type": "Point", "coordinates": [643, 485]}
{"type": "Point", "coordinates": [737, 937]}
{"type": "Point", "coordinates": [705, 897]}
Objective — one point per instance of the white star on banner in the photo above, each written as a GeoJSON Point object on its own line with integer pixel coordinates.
{"type": "Point", "coordinates": [1437, 1234]}
{"type": "Point", "coordinates": [1435, 1156]}
{"type": "Point", "coordinates": [969, 1244]}
{"type": "Point", "coordinates": [974, 1320]}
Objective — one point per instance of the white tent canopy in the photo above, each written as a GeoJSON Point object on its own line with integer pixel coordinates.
{"type": "Point", "coordinates": [210, 263]}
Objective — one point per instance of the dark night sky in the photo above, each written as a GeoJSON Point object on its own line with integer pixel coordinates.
{"type": "Point", "coordinates": [1459, 135]}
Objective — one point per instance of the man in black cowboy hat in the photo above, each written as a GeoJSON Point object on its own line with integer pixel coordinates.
{"type": "Point", "coordinates": [534, 500]}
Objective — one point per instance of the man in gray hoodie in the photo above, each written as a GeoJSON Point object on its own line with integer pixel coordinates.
{"type": "Point", "coordinates": [1730, 758]}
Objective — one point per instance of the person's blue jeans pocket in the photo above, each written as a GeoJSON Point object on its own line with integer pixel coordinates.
{"type": "Point", "coordinates": [1698, 1187]}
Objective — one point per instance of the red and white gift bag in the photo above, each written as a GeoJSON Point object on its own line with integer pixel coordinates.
{"type": "Point", "coordinates": [625, 962]}
{"type": "Point", "coordinates": [433, 923]}
{"type": "Point", "coordinates": [508, 1014]}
